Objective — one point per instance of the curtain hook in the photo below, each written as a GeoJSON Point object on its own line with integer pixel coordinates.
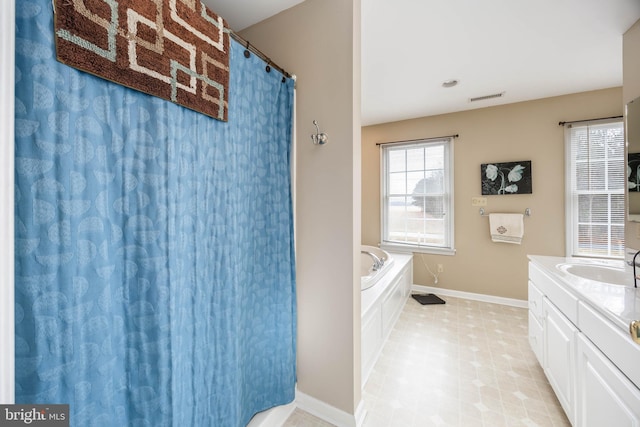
{"type": "Point", "coordinates": [247, 53]}
{"type": "Point", "coordinates": [268, 68]}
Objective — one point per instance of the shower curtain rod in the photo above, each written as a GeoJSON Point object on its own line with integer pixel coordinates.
{"type": "Point", "coordinates": [259, 54]}
{"type": "Point", "coordinates": [588, 120]}
{"type": "Point", "coordinates": [419, 139]}
{"type": "Point", "coordinates": [249, 47]}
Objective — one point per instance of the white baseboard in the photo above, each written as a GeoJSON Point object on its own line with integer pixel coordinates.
{"type": "Point", "coordinates": [329, 413]}
{"type": "Point", "coordinates": [277, 416]}
{"type": "Point", "coordinates": [469, 295]}
{"type": "Point", "coordinates": [361, 414]}
{"type": "Point", "coordinates": [274, 417]}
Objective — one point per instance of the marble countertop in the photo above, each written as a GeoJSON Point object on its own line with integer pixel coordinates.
{"type": "Point", "coordinates": [620, 303]}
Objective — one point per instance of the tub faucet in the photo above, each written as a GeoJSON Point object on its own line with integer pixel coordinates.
{"type": "Point", "coordinates": [635, 276]}
{"type": "Point", "coordinates": [377, 261]}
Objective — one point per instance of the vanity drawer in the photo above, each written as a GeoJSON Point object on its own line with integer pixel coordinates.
{"type": "Point", "coordinates": [566, 302]}
{"type": "Point", "coordinates": [535, 301]}
{"type": "Point", "coordinates": [613, 342]}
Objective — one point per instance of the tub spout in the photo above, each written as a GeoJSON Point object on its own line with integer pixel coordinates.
{"type": "Point", "coordinates": [635, 276]}
{"type": "Point", "coordinates": [377, 261]}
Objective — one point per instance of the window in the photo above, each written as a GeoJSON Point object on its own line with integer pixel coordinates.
{"type": "Point", "coordinates": [596, 188]}
{"type": "Point", "coordinates": [417, 199]}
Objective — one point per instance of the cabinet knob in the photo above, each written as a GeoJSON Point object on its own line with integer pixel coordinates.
{"type": "Point", "coordinates": [634, 330]}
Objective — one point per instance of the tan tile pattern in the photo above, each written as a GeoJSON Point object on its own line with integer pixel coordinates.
{"type": "Point", "coordinates": [464, 363]}
{"type": "Point", "coordinates": [300, 418]}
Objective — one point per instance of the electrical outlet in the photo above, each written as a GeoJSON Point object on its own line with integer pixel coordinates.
{"type": "Point", "coordinates": [478, 201]}
{"type": "Point", "coordinates": [440, 268]}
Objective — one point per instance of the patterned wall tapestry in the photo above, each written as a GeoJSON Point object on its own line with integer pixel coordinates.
{"type": "Point", "coordinates": [174, 49]}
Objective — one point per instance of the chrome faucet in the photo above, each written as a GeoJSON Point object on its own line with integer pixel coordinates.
{"type": "Point", "coordinates": [635, 277]}
{"type": "Point", "coordinates": [377, 261]}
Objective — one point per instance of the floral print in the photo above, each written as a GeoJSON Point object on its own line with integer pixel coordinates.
{"type": "Point", "coordinates": [633, 172]}
{"type": "Point", "coordinates": [506, 178]}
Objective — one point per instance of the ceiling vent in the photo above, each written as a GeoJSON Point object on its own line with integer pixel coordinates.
{"type": "Point", "coordinates": [485, 97]}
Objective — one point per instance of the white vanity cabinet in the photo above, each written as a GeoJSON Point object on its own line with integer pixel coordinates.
{"type": "Point", "coordinates": [605, 396]}
{"type": "Point", "coordinates": [559, 356]}
{"type": "Point", "coordinates": [536, 318]}
{"type": "Point", "coordinates": [553, 337]}
{"type": "Point", "coordinates": [593, 367]}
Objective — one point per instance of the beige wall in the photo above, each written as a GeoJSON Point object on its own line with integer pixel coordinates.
{"type": "Point", "coordinates": [319, 41]}
{"type": "Point", "coordinates": [631, 90]}
{"type": "Point", "coordinates": [520, 131]}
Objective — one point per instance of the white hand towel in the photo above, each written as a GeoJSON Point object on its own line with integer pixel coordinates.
{"type": "Point", "coordinates": [507, 228]}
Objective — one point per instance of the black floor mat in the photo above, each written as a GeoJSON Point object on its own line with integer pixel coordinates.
{"type": "Point", "coordinates": [428, 299]}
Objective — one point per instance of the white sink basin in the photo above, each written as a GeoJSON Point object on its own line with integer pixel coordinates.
{"type": "Point", "coordinates": [599, 273]}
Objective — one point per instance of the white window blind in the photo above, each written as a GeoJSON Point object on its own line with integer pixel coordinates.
{"type": "Point", "coordinates": [417, 201]}
{"type": "Point", "coordinates": [596, 186]}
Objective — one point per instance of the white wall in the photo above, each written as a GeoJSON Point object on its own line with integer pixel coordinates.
{"type": "Point", "coordinates": [631, 63]}
{"type": "Point", "coordinates": [630, 91]}
{"type": "Point", "coordinates": [7, 70]}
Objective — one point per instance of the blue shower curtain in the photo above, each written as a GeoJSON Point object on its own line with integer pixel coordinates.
{"type": "Point", "coordinates": [154, 245]}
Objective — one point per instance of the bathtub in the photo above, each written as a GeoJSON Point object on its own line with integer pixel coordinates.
{"type": "Point", "coordinates": [383, 295]}
{"type": "Point", "coordinates": [368, 276]}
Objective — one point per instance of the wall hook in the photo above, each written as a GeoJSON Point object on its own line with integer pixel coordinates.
{"type": "Point", "coordinates": [320, 138]}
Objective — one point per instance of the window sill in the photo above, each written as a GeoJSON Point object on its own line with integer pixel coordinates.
{"type": "Point", "coordinates": [394, 247]}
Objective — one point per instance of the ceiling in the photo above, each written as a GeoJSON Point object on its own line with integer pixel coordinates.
{"type": "Point", "coordinates": [523, 49]}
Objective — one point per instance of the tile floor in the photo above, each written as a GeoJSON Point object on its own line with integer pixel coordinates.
{"type": "Point", "coordinates": [464, 363]}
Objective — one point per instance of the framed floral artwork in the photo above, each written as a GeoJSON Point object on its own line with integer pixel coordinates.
{"type": "Point", "coordinates": [506, 178]}
{"type": "Point", "coordinates": [633, 169]}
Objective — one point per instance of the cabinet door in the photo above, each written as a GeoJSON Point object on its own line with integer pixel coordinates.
{"type": "Point", "coordinates": [559, 357]}
{"type": "Point", "coordinates": [535, 300]}
{"type": "Point", "coordinates": [536, 318]}
{"type": "Point", "coordinates": [536, 338]}
{"type": "Point", "coordinates": [605, 396]}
